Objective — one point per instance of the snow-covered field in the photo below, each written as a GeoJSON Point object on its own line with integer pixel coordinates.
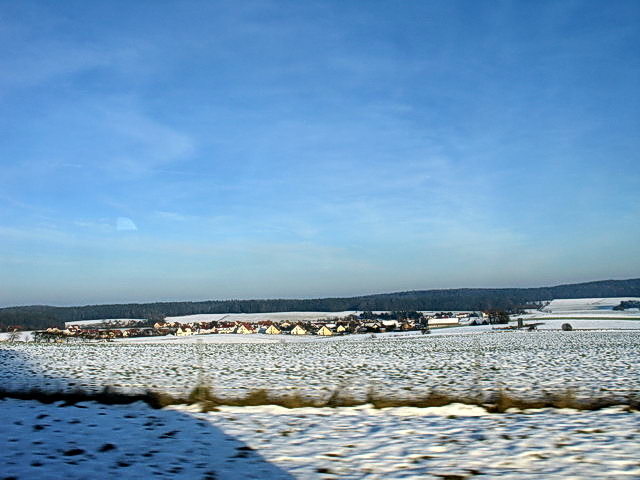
{"type": "Point", "coordinates": [565, 305]}
{"type": "Point", "coordinates": [89, 441]}
{"type": "Point", "coordinates": [607, 316]}
{"type": "Point", "coordinates": [581, 323]}
{"type": "Point", "coordinates": [520, 361]}
{"type": "Point", "coordinates": [255, 317]}
{"type": "Point", "coordinates": [455, 442]}
{"type": "Point", "coordinates": [124, 321]}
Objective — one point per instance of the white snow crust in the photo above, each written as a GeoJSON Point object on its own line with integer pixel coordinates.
{"type": "Point", "coordinates": [522, 362]}
{"type": "Point", "coordinates": [89, 441]}
{"type": "Point", "coordinates": [456, 441]}
{"type": "Point", "coordinates": [600, 357]}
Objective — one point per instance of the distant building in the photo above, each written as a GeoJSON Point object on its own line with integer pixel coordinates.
{"type": "Point", "coordinates": [270, 330]}
{"type": "Point", "coordinates": [324, 331]}
{"type": "Point", "coordinates": [443, 322]}
{"type": "Point", "coordinates": [299, 330]}
{"type": "Point", "coordinates": [244, 329]}
{"type": "Point", "coordinates": [184, 331]}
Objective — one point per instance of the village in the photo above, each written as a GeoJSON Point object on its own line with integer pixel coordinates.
{"type": "Point", "coordinates": [363, 323]}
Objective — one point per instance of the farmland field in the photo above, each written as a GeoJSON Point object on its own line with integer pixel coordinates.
{"type": "Point", "coordinates": [524, 363]}
{"type": "Point", "coordinates": [454, 441]}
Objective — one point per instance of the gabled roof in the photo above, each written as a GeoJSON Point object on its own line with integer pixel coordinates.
{"type": "Point", "coordinates": [299, 329]}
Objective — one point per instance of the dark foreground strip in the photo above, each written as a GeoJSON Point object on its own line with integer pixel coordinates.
{"type": "Point", "coordinates": [496, 402]}
{"type": "Point", "coordinates": [107, 397]}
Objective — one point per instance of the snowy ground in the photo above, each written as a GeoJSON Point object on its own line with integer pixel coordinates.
{"type": "Point", "coordinates": [571, 306]}
{"type": "Point", "coordinates": [565, 305]}
{"type": "Point", "coordinates": [255, 317]}
{"type": "Point", "coordinates": [581, 323]}
{"type": "Point", "coordinates": [124, 321]}
{"type": "Point", "coordinates": [454, 442]}
{"type": "Point", "coordinates": [585, 314]}
{"type": "Point", "coordinates": [89, 441]}
{"type": "Point", "coordinates": [522, 362]}
{"type": "Point", "coordinates": [274, 316]}
{"type": "Point", "coordinates": [447, 442]}
{"type": "Point", "coordinates": [608, 316]}
{"type": "Point", "coordinates": [20, 337]}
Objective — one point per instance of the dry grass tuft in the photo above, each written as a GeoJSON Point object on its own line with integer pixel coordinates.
{"type": "Point", "coordinates": [204, 396]}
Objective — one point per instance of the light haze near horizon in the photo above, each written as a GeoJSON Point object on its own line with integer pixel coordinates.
{"type": "Point", "coordinates": [189, 150]}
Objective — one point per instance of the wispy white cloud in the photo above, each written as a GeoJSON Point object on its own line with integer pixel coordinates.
{"type": "Point", "coordinates": [140, 142]}
{"type": "Point", "coordinates": [125, 224]}
{"type": "Point", "coordinates": [37, 63]}
{"type": "Point", "coordinates": [269, 145]}
{"type": "Point", "coordinates": [48, 235]}
{"type": "Point", "coordinates": [35, 54]}
{"type": "Point", "coordinates": [102, 225]}
{"type": "Point", "coordinates": [173, 216]}
{"type": "Point", "coordinates": [105, 137]}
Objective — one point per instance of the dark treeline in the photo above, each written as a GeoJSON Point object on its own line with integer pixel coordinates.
{"type": "Point", "coordinates": [625, 304]}
{"type": "Point", "coordinates": [38, 317]}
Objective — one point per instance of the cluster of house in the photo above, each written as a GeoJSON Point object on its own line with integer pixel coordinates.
{"type": "Point", "coordinates": [352, 324]}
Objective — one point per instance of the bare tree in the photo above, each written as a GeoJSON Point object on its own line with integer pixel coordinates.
{"type": "Point", "coordinates": [14, 336]}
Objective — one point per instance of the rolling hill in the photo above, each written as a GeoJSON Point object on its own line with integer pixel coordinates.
{"type": "Point", "coordinates": [43, 316]}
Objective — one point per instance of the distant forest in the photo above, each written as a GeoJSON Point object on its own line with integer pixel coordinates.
{"type": "Point", "coordinates": [470, 299]}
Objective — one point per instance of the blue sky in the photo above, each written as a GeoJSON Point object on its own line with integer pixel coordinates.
{"type": "Point", "coordinates": [208, 150]}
